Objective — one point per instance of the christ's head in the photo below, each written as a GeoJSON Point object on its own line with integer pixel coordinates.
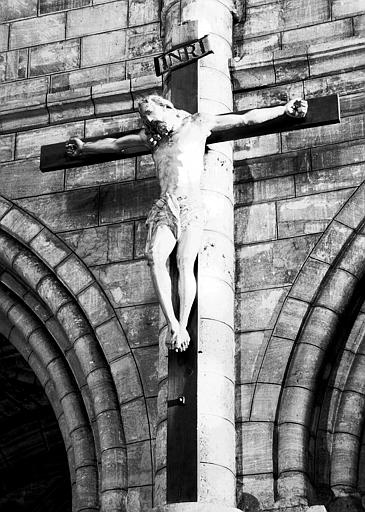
{"type": "Point", "coordinates": [159, 115]}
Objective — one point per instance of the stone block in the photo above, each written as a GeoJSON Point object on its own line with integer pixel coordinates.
{"type": "Point", "coordinates": [244, 396]}
{"type": "Point", "coordinates": [264, 190]}
{"type": "Point", "coordinates": [4, 206]}
{"type": "Point", "coordinates": [98, 174]}
{"type": "Point", "coordinates": [296, 13]}
{"type": "Point", "coordinates": [88, 353]}
{"type": "Point", "coordinates": [140, 238]}
{"type": "Point", "coordinates": [135, 421]}
{"type": "Point", "coordinates": [332, 242]}
{"type": "Point", "coordinates": [112, 98]}
{"type": "Point", "coordinates": [48, 6]}
{"type": "Point", "coordinates": [97, 19]}
{"type": "Point", "coordinates": [210, 307]}
{"type": "Point", "coordinates": [140, 498]}
{"type": "Point", "coordinates": [309, 279]}
{"type": "Point", "coordinates": [309, 214]}
{"type": "Point", "coordinates": [275, 361]}
{"type": "Point", "coordinates": [305, 366]}
{"type": "Point", "coordinates": [103, 48]}
{"type": "Point", "coordinates": [255, 223]}
{"type": "Point", "coordinates": [141, 324]}
{"type": "Point", "coordinates": [7, 148]}
{"type": "Point", "coordinates": [255, 491]}
{"type": "Point", "coordinates": [161, 445]}
{"type": "Point", "coordinates": [23, 94]}
{"type": "Point", "coordinates": [344, 471]}
{"type": "Point", "coordinates": [291, 65]}
{"type": "Point", "coordinates": [255, 442]}
{"type": "Point", "coordinates": [65, 211]}
{"type": "Point", "coordinates": [335, 57]}
{"type": "Point", "coordinates": [352, 405]}
{"type": "Point", "coordinates": [253, 147]}
{"type": "Point", "coordinates": [318, 33]}
{"type": "Point", "coordinates": [216, 257]}
{"type": "Point", "coordinates": [261, 19]}
{"type": "Point", "coordinates": [31, 117]}
{"type": "Point", "coordinates": [359, 25]}
{"type": "Point", "coordinates": [143, 86]}
{"type": "Point", "coordinates": [216, 442]}
{"type": "Point", "coordinates": [112, 339]}
{"type": "Point", "coordinates": [265, 402]}
{"type": "Point", "coordinates": [15, 9]}
{"type": "Point", "coordinates": [53, 295]}
{"type": "Point", "coordinates": [28, 144]}
{"type": "Point", "coordinates": [49, 248]}
{"type": "Point", "coordinates": [342, 83]}
{"type": "Point", "coordinates": [291, 317]}
{"type": "Point", "coordinates": [109, 125]}
{"type": "Point", "coordinates": [87, 77]}
{"type": "Point", "coordinates": [353, 259]}
{"type": "Point", "coordinates": [216, 396]}
{"type": "Point", "coordinates": [338, 290]}
{"type": "Point", "coordinates": [296, 406]}
{"type": "Point", "coordinates": [55, 57]}
{"type": "Point", "coordinates": [320, 327]}
{"type": "Point", "coordinates": [139, 67]}
{"type": "Point", "coordinates": [268, 97]}
{"type": "Point", "coordinates": [352, 104]}
{"type": "Point", "coordinates": [142, 12]}
{"type": "Point", "coordinates": [259, 309]}
{"type": "Point", "coordinates": [217, 485]}
{"type": "Point", "coordinates": [113, 471]}
{"type": "Point", "coordinates": [67, 105]}
{"type": "Point", "coordinates": [254, 45]}
{"type": "Point", "coordinates": [95, 306]}
{"type": "Point", "coordinates": [271, 264]}
{"type": "Point", "coordinates": [139, 463]}
{"type": "Point", "coordinates": [124, 201]}
{"type": "Point", "coordinates": [329, 179]}
{"type": "Point", "coordinates": [22, 178]}
{"type": "Point", "coordinates": [351, 214]}
{"type": "Point", "coordinates": [104, 244]}
{"type": "Point", "coordinates": [73, 325]}
{"type": "Point", "coordinates": [35, 31]}
{"type": "Point", "coordinates": [13, 65]}
{"type": "Point", "coordinates": [272, 166]}
{"type": "Point", "coordinates": [343, 8]}
{"type": "Point", "coordinates": [147, 362]}
{"type": "Point", "coordinates": [109, 426]}
{"type": "Point", "coordinates": [4, 37]}
{"type": "Point", "coordinates": [250, 350]}
{"type": "Point", "coordinates": [145, 167]}
{"type": "Point", "coordinates": [350, 128]}
{"type": "Point", "coordinates": [251, 71]}
{"type": "Point", "coordinates": [338, 154]}
{"type": "Point", "coordinates": [216, 343]}
{"type": "Point", "coordinates": [293, 455]}
{"type": "Point", "coordinates": [127, 283]}
{"type": "Point", "coordinates": [20, 224]}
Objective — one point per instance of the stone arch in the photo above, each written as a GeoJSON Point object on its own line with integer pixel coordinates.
{"type": "Point", "coordinates": [79, 320]}
{"type": "Point", "coordinates": [316, 316]}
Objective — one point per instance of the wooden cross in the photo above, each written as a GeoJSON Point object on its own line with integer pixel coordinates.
{"type": "Point", "coordinates": [182, 436]}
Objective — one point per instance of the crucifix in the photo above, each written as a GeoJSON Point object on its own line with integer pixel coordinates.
{"type": "Point", "coordinates": [178, 135]}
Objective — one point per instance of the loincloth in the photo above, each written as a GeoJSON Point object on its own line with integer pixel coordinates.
{"type": "Point", "coordinates": [177, 213]}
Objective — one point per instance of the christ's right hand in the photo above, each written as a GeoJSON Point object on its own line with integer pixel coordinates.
{"type": "Point", "coordinates": [73, 147]}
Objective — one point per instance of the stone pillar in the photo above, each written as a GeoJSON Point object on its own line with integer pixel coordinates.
{"type": "Point", "coordinates": [182, 21]}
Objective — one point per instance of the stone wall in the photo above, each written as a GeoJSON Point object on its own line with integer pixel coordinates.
{"type": "Point", "coordinates": [290, 189]}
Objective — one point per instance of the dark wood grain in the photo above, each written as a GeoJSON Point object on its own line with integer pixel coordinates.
{"type": "Point", "coordinates": [321, 111]}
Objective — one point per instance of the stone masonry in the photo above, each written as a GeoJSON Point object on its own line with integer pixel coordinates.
{"type": "Point", "coordinates": [76, 298]}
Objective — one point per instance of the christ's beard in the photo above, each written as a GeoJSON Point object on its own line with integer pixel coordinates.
{"type": "Point", "coordinates": [159, 127]}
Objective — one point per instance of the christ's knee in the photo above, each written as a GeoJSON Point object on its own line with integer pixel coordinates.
{"type": "Point", "coordinates": [185, 263]}
{"type": "Point", "coordinates": [156, 257]}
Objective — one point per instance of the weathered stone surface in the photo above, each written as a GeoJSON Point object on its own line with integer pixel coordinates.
{"type": "Point", "coordinates": [87, 77]}
{"type": "Point", "coordinates": [295, 405]}
{"type": "Point", "coordinates": [275, 361]}
{"type": "Point", "coordinates": [359, 25]}
{"type": "Point", "coordinates": [255, 491]}
{"type": "Point", "coordinates": [142, 12]}
{"type": "Point", "coordinates": [139, 463]}
{"type": "Point", "coordinates": [265, 402]}
{"type": "Point", "coordinates": [261, 20]}
{"type": "Point", "coordinates": [4, 37]}
{"type": "Point", "coordinates": [144, 40]}
{"type": "Point", "coordinates": [352, 213]}
{"type": "Point", "coordinates": [20, 224]}
{"type": "Point", "coordinates": [103, 48]}
{"type": "Point", "coordinates": [293, 452]}
{"type": "Point", "coordinates": [135, 421]}
{"type": "Point", "coordinates": [271, 264]}
{"type": "Point", "coordinates": [291, 65]}
{"type": "Point", "coordinates": [291, 318]}
{"type": "Point", "coordinates": [67, 105]}
{"type": "Point", "coordinates": [23, 93]}
{"type": "Point", "coordinates": [101, 18]}
{"type": "Point", "coordinates": [126, 378]}
{"type": "Point", "coordinates": [121, 202]}
{"type": "Point", "coordinates": [309, 279]}
{"type": "Point", "coordinates": [344, 469]}
{"type": "Point", "coordinates": [318, 33]}
{"type": "Point", "coordinates": [49, 247]}
{"type": "Point", "coordinates": [141, 324]}
{"type": "Point", "coordinates": [268, 97]}
{"type": "Point", "coordinates": [329, 179]}
{"type": "Point", "coordinates": [216, 343]}
{"type": "Point", "coordinates": [309, 214]}
{"type": "Point", "coordinates": [68, 210]}
{"type": "Point", "coordinates": [108, 172]}
{"type": "Point", "coordinates": [252, 71]}
{"type": "Point", "coordinates": [7, 147]}
{"type": "Point", "coordinates": [255, 223]}
{"type": "Point", "coordinates": [147, 361]}
{"type": "Point", "coordinates": [342, 83]}
{"type": "Point", "coordinates": [104, 244]}
{"type": "Point", "coordinates": [296, 13]}
{"type": "Point", "coordinates": [256, 45]}
{"type": "Point", "coordinates": [47, 6]}
{"type": "Point", "coordinates": [95, 306]}
{"type": "Point", "coordinates": [264, 190]}
{"type": "Point", "coordinates": [254, 147]}
{"type": "Point", "coordinates": [112, 98]}
{"type": "Point", "coordinates": [209, 307]}
{"type": "Point", "coordinates": [54, 57]}
{"type": "Point", "coordinates": [217, 485]}
{"type": "Point", "coordinates": [250, 349]}
{"type": "Point", "coordinates": [21, 178]}
{"type": "Point", "coordinates": [216, 396]}
{"type": "Point", "coordinates": [338, 154]}
{"type": "Point", "coordinates": [31, 32]}
{"type": "Point", "coordinates": [320, 327]}
{"type": "Point", "coordinates": [112, 339]}
{"type": "Point", "coordinates": [305, 366]}
{"type": "Point", "coordinates": [244, 395]}
{"type": "Point", "coordinates": [342, 8]}
{"type": "Point", "coordinates": [215, 446]}
{"type": "Point", "coordinates": [326, 58]}
{"type": "Point", "coordinates": [12, 10]}
{"type": "Point", "coordinates": [259, 309]}
{"type": "Point", "coordinates": [338, 291]}
{"type": "Point", "coordinates": [140, 498]}
{"type": "Point", "coordinates": [110, 125]}
{"type": "Point", "coordinates": [352, 104]}
{"type": "Point", "coordinates": [4, 206]}
{"type": "Point", "coordinates": [28, 144]}
{"type": "Point", "coordinates": [255, 442]}
{"type": "Point", "coordinates": [13, 65]}
{"type": "Point", "coordinates": [332, 242]}
{"type": "Point", "coordinates": [127, 283]}
{"type": "Point", "coordinates": [353, 260]}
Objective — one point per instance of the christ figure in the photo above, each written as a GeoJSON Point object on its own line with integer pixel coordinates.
{"type": "Point", "coordinates": [177, 141]}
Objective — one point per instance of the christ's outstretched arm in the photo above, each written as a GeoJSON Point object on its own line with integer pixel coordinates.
{"type": "Point", "coordinates": [76, 147]}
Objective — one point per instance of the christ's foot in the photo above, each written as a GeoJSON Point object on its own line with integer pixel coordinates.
{"type": "Point", "coordinates": [181, 341]}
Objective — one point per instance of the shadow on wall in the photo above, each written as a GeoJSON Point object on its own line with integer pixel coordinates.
{"type": "Point", "coordinates": [248, 503]}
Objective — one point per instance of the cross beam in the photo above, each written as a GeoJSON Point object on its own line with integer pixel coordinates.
{"type": "Point", "coordinates": [321, 111]}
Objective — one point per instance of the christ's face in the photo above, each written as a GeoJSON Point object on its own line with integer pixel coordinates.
{"type": "Point", "coordinates": [161, 113]}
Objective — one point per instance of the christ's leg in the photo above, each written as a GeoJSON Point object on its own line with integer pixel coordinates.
{"type": "Point", "coordinates": [158, 251]}
{"type": "Point", "coordinates": [188, 248]}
